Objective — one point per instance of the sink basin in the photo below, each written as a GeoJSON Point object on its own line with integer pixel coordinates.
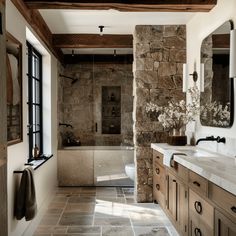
{"type": "Point", "coordinates": [195, 153]}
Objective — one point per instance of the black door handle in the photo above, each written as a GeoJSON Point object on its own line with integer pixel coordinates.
{"type": "Point", "coordinates": [233, 208]}
{"type": "Point", "coordinates": [196, 183]}
{"type": "Point", "coordinates": [197, 232]}
{"type": "Point", "coordinates": [198, 207]}
{"type": "Point", "coordinates": [0, 23]}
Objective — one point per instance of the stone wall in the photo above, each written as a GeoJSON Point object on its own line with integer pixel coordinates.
{"type": "Point", "coordinates": [159, 54]}
{"type": "Point", "coordinates": [80, 103]}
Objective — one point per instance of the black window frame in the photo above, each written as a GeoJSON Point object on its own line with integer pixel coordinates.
{"type": "Point", "coordinates": [35, 129]}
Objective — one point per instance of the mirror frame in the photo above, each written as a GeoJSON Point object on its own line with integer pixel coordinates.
{"type": "Point", "coordinates": [11, 38]}
{"type": "Point", "coordinates": [231, 84]}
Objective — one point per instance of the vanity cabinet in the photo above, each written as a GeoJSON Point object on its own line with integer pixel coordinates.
{"type": "Point", "coordinates": [171, 192]}
{"type": "Point", "coordinates": [177, 202]}
{"type": "Point", "coordinates": [201, 216]}
{"type": "Point", "coordinates": [223, 225]}
{"type": "Point", "coordinates": [196, 206]}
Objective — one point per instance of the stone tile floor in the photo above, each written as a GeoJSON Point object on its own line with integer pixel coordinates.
{"type": "Point", "coordinates": [102, 211]}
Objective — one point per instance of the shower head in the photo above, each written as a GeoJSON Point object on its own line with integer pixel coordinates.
{"type": "Point", "coordinates": [68, 77]}
{"type": "Point", "coordinates": [74, 81]}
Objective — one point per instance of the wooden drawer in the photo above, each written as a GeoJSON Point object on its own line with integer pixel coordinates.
{"type": "Point", "coordinates": [157, 158]}
{"type": "Point", "coordinates": [223, 199]}
{"type": "Point", "coordinates": [159, 186]}
{"type": "Point", "coordinates": [200, 210]}
{"type": "Point", "coordinates": [158, 193]}
{"type": "Point", "coordinates": [199, 228]}
{"type": "Point", "coordinates": [198, 183]}
{"type": "Point", "coordinates": [179, 170]}
{"type": "Point", "coordinates": [158, 171]}
{"type": "Point", "coordinates": [223, 225]}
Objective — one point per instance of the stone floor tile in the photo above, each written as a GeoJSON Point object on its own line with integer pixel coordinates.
{"type": "Point", "coordinates": [51, 229]}
{"type": "Point", "coordinates": [111, 211]}
{"type": "Point", "coordinates": [102, 211]}
{"type": "Point", "coordinates": [106, 191]}
{"type": "Point", "coordinates": [117, 230]}
{"type": "Point", "coordinates": [59, 199]}
{"type": "Point", "coordinates": [75, 219]}
{"type": "Point", "coordinates": [58, 205]}
{"type": "Point", "coordinates": [87, 234]}
{"type": "Point", "coordinates": [130, 200]}
{"type": "Point", "coordinates": [111, 199]}
{"type": "Point", "coordinates": [84, 229]}
{"type": "Point", "coordinates": [36, 234]}
{"type": "Point", "coordinates": [50, 219]}
{"type": "Point", "coordinates": [81, 199]}
{"type": "Point", "coordinates": [80, 207]}
{"type": "Point", "coordinates": [113, 221]}
{"type": "Point", "coordinates": [68, 190]}
{"type": "Point", "coordinates": [54, 211]}
{"type": "Point", "coordinates": [151, 231]}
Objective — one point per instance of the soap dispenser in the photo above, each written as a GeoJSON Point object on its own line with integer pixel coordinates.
{"type": "Point", "coordinates": [192, 140]}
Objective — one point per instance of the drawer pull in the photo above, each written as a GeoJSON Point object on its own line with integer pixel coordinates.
{"type": "Point", "coordinates": [174, 180]}
{"type": "Point", "coordinates": [172, 162]}
{"type": "Point", "coordinates": [198, 207]}
{"type": "Point", "coordinates": [158, 171]}
{"type": "Point", "coordinates": [157, 157]}
{"type": "Point", "coordinates": [196, 183]}
{"type": "Point", "coordinates": [233, 208]}
{"type": "Point", "coordinates": [197, 232]}
{"type": "Point", "coordinates": [158, 187]}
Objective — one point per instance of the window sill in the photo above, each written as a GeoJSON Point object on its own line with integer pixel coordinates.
{"type": "Point", "coordinates": [35, 164]}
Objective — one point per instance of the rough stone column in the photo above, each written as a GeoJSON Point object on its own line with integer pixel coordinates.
{"type": "Point", "coordinates": [159, 54]}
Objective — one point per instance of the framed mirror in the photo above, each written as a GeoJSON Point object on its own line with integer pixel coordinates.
{"type": "Point", "coordinates": [217, 99]}
{"type": "Point", "coordinates": [14, 89]}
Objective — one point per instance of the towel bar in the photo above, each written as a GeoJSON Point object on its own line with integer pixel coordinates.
{"type": "Point", "coordinates": [21, 171]}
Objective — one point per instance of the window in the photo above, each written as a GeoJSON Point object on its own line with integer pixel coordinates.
{"type": "Point", "coordinates": [35, 101]}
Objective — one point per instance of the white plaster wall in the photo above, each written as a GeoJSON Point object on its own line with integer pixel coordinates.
{"type": "Point", "coordinates": [201, 25]}
{"type": "Point", "coordinates": [46, 175]}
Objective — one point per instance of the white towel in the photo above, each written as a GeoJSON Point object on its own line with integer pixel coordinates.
{"type": "Point", "coordinates": [168, 155]}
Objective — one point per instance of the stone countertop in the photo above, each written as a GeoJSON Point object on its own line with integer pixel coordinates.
{"type": "Point", "coordinates": [219, 169]}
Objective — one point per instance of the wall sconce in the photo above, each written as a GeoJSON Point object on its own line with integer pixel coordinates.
{"type": "Point", "coordinates": [195, 77]}
{"type": "Point", "coordinates": [101, 27]}
{"type": "Point", "coordinates": [232, 59]}
{"type": "Point", "coordinates": [202, 77]}
{"type": "Point", "coordinates": [185, 78]}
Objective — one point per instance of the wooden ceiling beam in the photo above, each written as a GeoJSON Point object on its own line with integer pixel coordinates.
{"type": "Point", "coordinates": [92, 41]}
{"type": "Point", "coordinates": [127, 5]}
{"type": "Point", "coordinates": [36, 21]}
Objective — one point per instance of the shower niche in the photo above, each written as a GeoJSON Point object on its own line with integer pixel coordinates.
{"type": "Point", "coordinates": [111, 109]}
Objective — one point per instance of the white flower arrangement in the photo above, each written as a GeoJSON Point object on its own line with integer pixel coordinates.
{"type": "Point", "coordinates": [176, 114]}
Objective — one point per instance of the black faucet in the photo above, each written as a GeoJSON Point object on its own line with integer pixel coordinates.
{"type": "Point", "coordinates": [218, 139]}
{"type": "Point", "coordinates": [64, 124]}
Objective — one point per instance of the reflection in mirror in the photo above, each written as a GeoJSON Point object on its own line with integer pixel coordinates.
{"type": "Point", "coordinates": [14, 89]}
{"type": "Point", "coordinates": [217, 98]}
